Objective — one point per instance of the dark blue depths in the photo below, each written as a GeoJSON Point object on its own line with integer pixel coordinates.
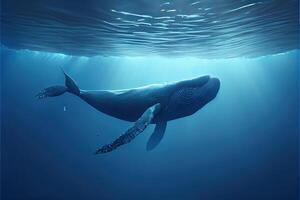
{"type": "Point", "coordinates": [242, 145]}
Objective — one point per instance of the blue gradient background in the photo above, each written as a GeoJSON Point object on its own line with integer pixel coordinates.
{"type": "Point", "coordinates": [241, 146]}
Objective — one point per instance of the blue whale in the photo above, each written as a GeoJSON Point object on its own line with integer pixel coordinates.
{"type": "Point", "coordinates": [152, 104]}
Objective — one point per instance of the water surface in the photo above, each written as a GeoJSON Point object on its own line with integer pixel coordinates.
{"type": "Point", "coordinates": [204, 28]}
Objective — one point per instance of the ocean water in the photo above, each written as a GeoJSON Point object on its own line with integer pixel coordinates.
{"type": "Point", "coordinates": [243, 145]}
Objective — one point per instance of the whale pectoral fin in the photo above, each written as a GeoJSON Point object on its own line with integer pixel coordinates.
{"type": "Point", "coordinates": [139, 126]}
{"type": "Point", "coordinates": [157, 135]}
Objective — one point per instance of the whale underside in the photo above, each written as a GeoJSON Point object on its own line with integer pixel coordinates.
{"type": "Point", "coordinates": [152, 104]}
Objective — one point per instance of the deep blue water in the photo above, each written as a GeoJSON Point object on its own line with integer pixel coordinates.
{"type": "Point", "coordinates": [242, 145]}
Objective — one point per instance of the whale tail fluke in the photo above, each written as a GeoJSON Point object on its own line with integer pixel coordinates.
{"type": "Point", "coordinates": [57, 90]}
{"type": "Point", "coordinates": [71, 84]}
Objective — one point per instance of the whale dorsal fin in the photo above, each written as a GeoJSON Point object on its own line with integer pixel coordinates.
{"type": "Point", "coordinates": [139, 126]}
{"type": "Point", "coordinates": [157, 135]}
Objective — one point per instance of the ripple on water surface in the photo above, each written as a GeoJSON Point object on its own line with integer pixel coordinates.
{"type": "Point", "coordinates": [207, 29]}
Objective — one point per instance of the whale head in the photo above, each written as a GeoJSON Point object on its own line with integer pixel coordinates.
{"type": "Point", "coordinates": [192, 96]}
{"type": "Point", "coordinates": [199, 92]}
